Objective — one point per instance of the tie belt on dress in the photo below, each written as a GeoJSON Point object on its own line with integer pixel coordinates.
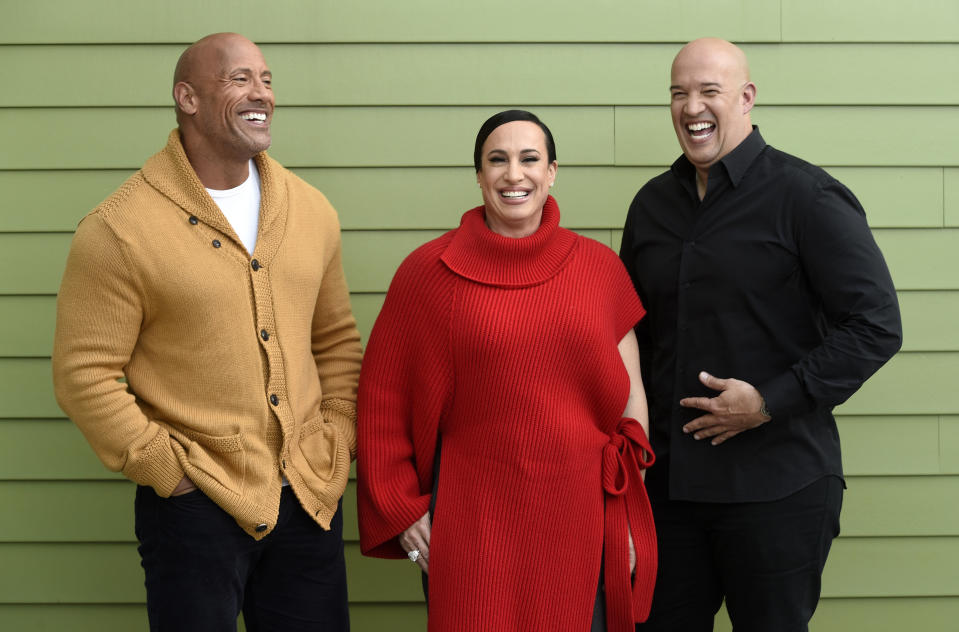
{"type": "Point", "coordinates": [628, 512]}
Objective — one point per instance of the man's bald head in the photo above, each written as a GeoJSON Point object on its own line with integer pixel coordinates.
{"type": "Point", "coordinates": [204, 54]}
{"type": "Point", "coordinates": [712, 51]}
{"type": "Point", "coordinates": [711, 97]}
{"type": "Point", "coordinates": [224, 103]}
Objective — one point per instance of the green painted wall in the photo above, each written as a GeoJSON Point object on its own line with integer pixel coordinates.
{"type": "Point", "coordinates": [379, 102]}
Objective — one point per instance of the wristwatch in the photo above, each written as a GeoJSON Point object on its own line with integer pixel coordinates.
{"type": "Point", "coordinates": [763, 410]}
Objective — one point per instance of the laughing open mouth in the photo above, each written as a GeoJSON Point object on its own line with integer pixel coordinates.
{"type": "Point", "coordinates": [700, 129]}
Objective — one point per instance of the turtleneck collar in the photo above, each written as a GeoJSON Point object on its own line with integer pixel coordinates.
{"type": "Point", "coordinates": [477, 253]}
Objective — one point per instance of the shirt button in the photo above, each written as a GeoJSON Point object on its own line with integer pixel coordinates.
{"type": "Point", "coordinates": [264, 334]}
{"type": "Point", "coordinates": [260, 528]}
{"type": "Point", "coordinates": [216, 243]}
{"type": "Point", "coordinates": [194, 220]}
{"type": "Point", "coordinates": [274, 399]}
{"type": "Point", "coordinates": [255, 265]}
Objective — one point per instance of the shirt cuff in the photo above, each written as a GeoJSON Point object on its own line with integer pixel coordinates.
{"type": "Point", "coordinates": [785, 396]}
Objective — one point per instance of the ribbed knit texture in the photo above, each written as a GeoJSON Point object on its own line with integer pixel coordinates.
{"type": "Point", "coordinates": [159, 289]}
{"type": "Point", "coordinates": [507, 349]}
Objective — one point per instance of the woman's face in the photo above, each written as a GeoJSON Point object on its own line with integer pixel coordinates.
{"type": "Point", "coordinates": [515, 175]}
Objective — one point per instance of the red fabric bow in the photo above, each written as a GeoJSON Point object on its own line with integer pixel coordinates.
{"type": "Point", "coordinates": [628, 512]}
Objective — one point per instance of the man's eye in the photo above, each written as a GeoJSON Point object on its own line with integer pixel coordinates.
{"type": "Point", "coordinates": [678, 95]}
{"type": "Point", "coordinates": [239, 79]}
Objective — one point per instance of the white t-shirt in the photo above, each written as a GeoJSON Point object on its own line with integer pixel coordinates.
{"type": "Point", "coordinates": [241, 206]}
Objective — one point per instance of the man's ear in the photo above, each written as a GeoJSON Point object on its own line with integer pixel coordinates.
{"type": "Point", "coordinates": [185, 97]}
{"type": "Point", "coordinates": [749, 96]}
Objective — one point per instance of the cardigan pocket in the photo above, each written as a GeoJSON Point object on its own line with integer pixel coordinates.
{"type": "Point", "coordinates": [220, 458]}
{"type": "Point", "coordinates": [318, 443]}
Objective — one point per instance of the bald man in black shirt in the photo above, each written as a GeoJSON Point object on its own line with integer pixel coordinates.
{"type": "Point", "coordinates": [769, 304]}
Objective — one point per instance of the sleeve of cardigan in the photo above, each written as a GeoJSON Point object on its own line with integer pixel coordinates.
{"type": "Point", "coordinates": [336, 348]}
{"type": "Point", "coordinates": [99, 312]}
{"type": "Point", "coordinates": [404, 387]}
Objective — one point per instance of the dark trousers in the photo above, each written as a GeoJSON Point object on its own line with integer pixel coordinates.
{"type": "Point", "coordinates": [202, 569]}
{"type": "Point", "coordinates": [766, 559]}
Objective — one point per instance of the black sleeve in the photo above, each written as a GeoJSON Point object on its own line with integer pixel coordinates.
{"type": "Point", "coordinates": [847, 272]}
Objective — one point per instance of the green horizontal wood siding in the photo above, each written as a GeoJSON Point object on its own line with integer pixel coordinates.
{"type": "Point", "coordinates": [949, 444]}
{"type": "Point", "coordinates": [951, 196]}
{"type": "Point", "coordinates": [62, 21]}
{"type": "Point", "coordinates": [432, 74]}
{"type": "Point", "coordinates": [869, 21]}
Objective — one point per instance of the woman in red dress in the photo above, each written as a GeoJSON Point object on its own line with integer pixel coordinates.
{"type": "Point", "coordinates": [501, 416]}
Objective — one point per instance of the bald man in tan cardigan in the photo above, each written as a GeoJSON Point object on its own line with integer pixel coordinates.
{"type": "Point", "coordinates": [206, 348]}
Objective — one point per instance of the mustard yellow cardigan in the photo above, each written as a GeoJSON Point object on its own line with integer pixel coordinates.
{"type": "Point", "coordinates": [238, 369]}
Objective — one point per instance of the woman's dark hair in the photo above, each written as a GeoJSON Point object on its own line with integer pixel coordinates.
{"type": "Point", "coordinates": [508, 117]}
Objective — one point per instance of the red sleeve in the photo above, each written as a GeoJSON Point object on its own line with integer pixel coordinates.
{"type": "Point", "coordinates": [628, 310]}
{"type": "Point", "coordinates": [404, 386]}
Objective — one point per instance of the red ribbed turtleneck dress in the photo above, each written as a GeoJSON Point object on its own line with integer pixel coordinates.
{"type": "Point", "coordinates": [505, 350]}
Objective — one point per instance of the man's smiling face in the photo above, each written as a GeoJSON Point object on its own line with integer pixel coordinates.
{"type": "Point", "coordinates": [710, 100]}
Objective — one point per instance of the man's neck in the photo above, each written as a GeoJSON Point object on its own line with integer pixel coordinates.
{"type": "Point", "coordinates": [221, 176]}
{"type": "Point", "coordinates": [214, 170]}
{"type": "Point", "coordinates": [702, 178]}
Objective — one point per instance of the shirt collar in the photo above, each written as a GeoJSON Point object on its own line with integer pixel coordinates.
{"type": "Point", "coordinates": [736, 162]}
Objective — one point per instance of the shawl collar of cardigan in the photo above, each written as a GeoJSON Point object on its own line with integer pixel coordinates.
{"type": "Point", "coordinates": [171, 173]}
{"type": "Point", "coordinates": [477, 253]}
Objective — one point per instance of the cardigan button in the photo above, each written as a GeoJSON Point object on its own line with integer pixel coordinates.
{"type": "Point", "coordinates": [264, 334]}
{"type": "Point", "coordinates": [274, 399]}
{"type": "Point", "coordinates": [260, 528]}
{"type": "Point", "coordinates": [194, 220]}
{"type": "Point", "coordinates": [216, 243]}
{"type": "Point", "coordinates": [255, 265]}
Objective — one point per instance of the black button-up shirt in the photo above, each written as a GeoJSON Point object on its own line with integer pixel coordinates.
{"type": "Point", "coordinates": [773, 278]}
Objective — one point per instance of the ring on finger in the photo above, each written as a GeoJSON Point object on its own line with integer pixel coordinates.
{"type": "Point", "coordinates": [413, 555]}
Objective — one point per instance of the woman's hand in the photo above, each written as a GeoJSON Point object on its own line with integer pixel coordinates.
{"type": "Point", "coordinates": [417, 538]}
{"type": "Point", "coordinates": [632, 555]}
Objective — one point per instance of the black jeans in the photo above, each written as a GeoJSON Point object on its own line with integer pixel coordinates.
{"type": "Point", "coordinates": [202, 569]}
{"type": "Point", "coordinates": [766, 559]}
